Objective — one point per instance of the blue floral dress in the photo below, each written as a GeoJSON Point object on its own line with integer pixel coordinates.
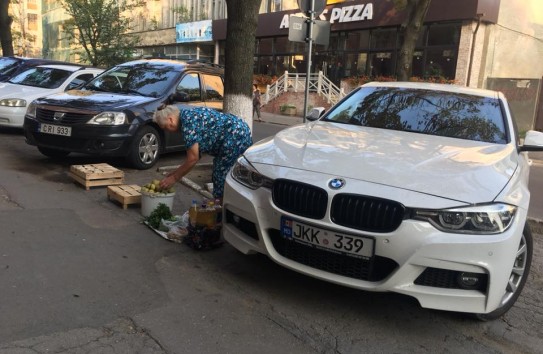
{"type": "Point", "coordinates": [222, 135]}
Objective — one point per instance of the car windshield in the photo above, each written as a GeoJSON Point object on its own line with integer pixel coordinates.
{"type": "Point", "coordinates": [424, 111]}
{"type": "Point", "coordinates": [7, 65]}
{"type": "Point", "coordinates": [144, 80]}
{"type": "Point", "coordinates": [48, 78]}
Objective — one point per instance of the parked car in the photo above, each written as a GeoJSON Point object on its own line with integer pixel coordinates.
{"type": "Point", "coordinates": [17, 93]}
{"type": "Point", "coordinates": [414, 188]}
{"type": "Point", "coordinates": [11, 66]}
{"type": "Point", "coordinates": [112, 114]}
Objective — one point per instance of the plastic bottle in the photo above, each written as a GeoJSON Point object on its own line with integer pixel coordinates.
{"type": "Point", "coordinates": [193, 213]}
{"type": "Point", "coordinates": [218, 210]}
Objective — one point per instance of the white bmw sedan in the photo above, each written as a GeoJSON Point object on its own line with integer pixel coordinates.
{"type": "Point", "coordinates": [17, 93]}
{"type": "Point", "coordinates": [415, 188]}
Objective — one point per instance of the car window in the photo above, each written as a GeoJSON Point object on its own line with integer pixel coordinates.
{"type": "Point", "coordinates": [190, 84]}
{"type": "Point", "coordinates": [79, 80]}
{"type": "Point", "coordinates": [424, 111]}
{"type": "Point", "coordinates": [7, 65]}
{"type": "Point", "coordinates": [49, 78]}
{"type": "Point", "coordinates": [145, 80]}
{"type": "Point", "coordinates": [213, 87]}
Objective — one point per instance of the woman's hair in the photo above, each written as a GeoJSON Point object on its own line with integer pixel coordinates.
{"type": "Point", "coordinates": [161, 115]}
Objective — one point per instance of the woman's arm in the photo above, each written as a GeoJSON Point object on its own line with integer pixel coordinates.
{"type": "Point", "coordinates": [193, 155]}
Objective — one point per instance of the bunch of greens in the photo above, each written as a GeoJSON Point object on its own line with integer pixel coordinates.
{"type": "Point", "coordinates": [162, 211]}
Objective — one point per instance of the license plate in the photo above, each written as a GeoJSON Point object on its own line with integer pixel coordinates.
{"type": "Point", "coordinates": [355, 246]}
{"type": "Point", "coordinates": [55, 129]}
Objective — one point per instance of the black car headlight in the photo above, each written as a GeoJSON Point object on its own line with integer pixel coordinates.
{"type": "Point", "coordinates": [244, 173]}
{"type": "Point", "coordinates": [483, 219]}
{"type": "Point", "coordinates": [31, 110]}
{"type": "Point", "coordinates": [108, 118]}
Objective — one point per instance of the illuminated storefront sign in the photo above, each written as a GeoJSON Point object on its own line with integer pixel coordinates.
{"type": "Point", "coordinates": [349, 13]}
{"type": "Point", "coordinates": [193, 32]}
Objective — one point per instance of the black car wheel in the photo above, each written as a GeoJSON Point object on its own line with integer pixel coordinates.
{"type": "Point", "coordinates": [53, 153]}
{"type": "Point", "coordinates": [145, 148]}
{"type": "Point", "coordinates": [517, 279]}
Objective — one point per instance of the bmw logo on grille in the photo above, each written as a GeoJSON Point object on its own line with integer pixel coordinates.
{"type": "Point", "coordinates": [336, 183]}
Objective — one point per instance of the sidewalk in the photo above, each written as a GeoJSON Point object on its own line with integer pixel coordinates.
{"type": "Point", "coordinates": [279, 119]}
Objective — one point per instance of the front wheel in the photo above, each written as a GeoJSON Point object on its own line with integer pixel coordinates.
{"type": "Point", "coordinates": [145, 148]}
{"type": "Point", "coordinates": [53, 153]}
{"type": "Point", "coordinates": [517, 279]}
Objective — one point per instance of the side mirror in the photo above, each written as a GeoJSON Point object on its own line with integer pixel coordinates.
{"type": "Point", "coordinates": [533, 141]}
{"type": "Point", "coordinates": [315, 113]}
{"type": "Point", "coordinates": [179, 96]}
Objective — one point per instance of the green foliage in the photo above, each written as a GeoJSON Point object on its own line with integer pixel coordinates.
{"type": "Point", "coordinates": [99, 27]}
{"type": "Point", "coordinates": [286, 106]}
{"type": "Point", "coordinates": [161, 212]}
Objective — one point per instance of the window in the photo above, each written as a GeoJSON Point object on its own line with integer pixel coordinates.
{"type": "Point", "coordinates": [190, 84]}
{"type": "Point", "coordinates": [383, 38]}
{"type": "Point", "coordinates": [213, 87]}
{"type": "Point", "coordinates": [79, 80]}
{"type": "Point", "coordinates": [32, 22]}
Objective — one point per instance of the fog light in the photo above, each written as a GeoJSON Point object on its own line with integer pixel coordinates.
{"type": "Point", "coordinates": [469, 280]}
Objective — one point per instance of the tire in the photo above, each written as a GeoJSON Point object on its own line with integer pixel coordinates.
{"type": "Point", "coordinates": [523, 262]}
{"type": "Point", "coordinates": [145, 148]}
{"type": "Point", "coordinates": [53, 153]}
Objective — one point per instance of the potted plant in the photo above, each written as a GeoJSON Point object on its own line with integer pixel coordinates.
{"type": "Point", "coordinates": [288, 109]}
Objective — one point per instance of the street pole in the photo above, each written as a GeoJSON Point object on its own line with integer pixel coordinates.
{"type": "Point", "coordinates": [309, 40]}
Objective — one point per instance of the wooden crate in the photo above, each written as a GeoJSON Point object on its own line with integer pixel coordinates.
{"type": "Point", "coordinates": [125, 194]}
{"type": "Point", "coordinates": [99, 174]}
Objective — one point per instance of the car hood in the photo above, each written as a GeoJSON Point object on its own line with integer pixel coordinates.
{"type": "Point", "coordinates": [456, 169]}
{"type": "Point", "coordinates": [28, 93]}
{"type": "Point", "coordinates": [95, 100]}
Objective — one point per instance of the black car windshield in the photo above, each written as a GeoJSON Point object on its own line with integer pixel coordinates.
{"type": "Point", "coordinates": [430, 112]}
{"type": "Point", "coordinates": [144, 80]}
{"type": "Point", "coordinates": [43, 77]}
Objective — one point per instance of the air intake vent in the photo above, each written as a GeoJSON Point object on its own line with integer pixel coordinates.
{"type": "Point", "coordinates": [300, 198]}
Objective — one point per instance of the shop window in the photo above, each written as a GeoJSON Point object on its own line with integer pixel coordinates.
{"type": "Point", "coordinates": [440, 63]}
{"type": "Point", "coordinates": [265, 65]}
{"type": "Point", "coordinates": [418, 64]}
{"type": "Point", "coordinates": [265, 46]}
{"type": "Point", "coordinates": [355, 64]}
{"type": "Point", "coordinates": [383, 38]}
{"type": "Point", "coordinates": [359, 40]}
{"type": "Point", "coordinates": [382, 64]}
{"type": "Point", "coordinates": [421, 39]}
{"type": "Point", "coordinates": [444, 34]}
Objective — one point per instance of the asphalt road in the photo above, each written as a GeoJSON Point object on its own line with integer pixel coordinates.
{"type": "Point", "coordinates": [78, 274]}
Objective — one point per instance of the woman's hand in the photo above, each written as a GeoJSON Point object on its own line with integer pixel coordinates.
{"type": "Point", "coordinates": [168, 182]}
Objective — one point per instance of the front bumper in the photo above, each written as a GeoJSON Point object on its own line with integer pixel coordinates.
{"type": "Point", "coordinates": [84, 138]}
{"type": "Point", "coordinates": [410, 260]}
{"type": "Point", "coordinates": [12, 116]}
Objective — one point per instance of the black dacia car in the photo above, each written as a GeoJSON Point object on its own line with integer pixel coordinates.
{"type": "Point", "coordinates": [112, 114]}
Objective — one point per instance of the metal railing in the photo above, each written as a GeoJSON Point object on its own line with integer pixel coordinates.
{"type": "Point", "coordinates": [318, 83]}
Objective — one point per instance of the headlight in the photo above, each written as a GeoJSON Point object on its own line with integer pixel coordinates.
{"type": "Point", "coordinates": [246, 174]}
{"type": "Point", "coordinates": [31, 110]}
{"type": "Point", "coordinates": [108, 118]}
{"type": "Point", "coordinates": [484, 219]}
{"type": "Point", "coordinates": [13, 102]}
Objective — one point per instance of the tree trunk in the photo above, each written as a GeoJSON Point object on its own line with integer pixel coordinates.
{"type": "Point", "coordinates": [416, 12]}
{"type": "Point", "coordinates": [241, 26]}
{"type": "Point", "coordinates": [5, 29]}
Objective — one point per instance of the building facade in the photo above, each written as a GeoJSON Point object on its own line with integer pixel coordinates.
{"type": "Point", "coordinates": [26, 29]}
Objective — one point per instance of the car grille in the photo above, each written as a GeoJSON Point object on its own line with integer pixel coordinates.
{"type": "Point", "coordinates": [48, 116]}
{"type": "Point", "coordinates": [375, 269]}
{"type": "Point", "coordinates": [300, 198]}
{"type": "Point", "coordinates": [366, 213]}
{"type": "Point", "coordinates": [350, 210]}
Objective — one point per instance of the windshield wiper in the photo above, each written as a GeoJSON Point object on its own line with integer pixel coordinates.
{"type": "Point", "coordinates": [133, 91]}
